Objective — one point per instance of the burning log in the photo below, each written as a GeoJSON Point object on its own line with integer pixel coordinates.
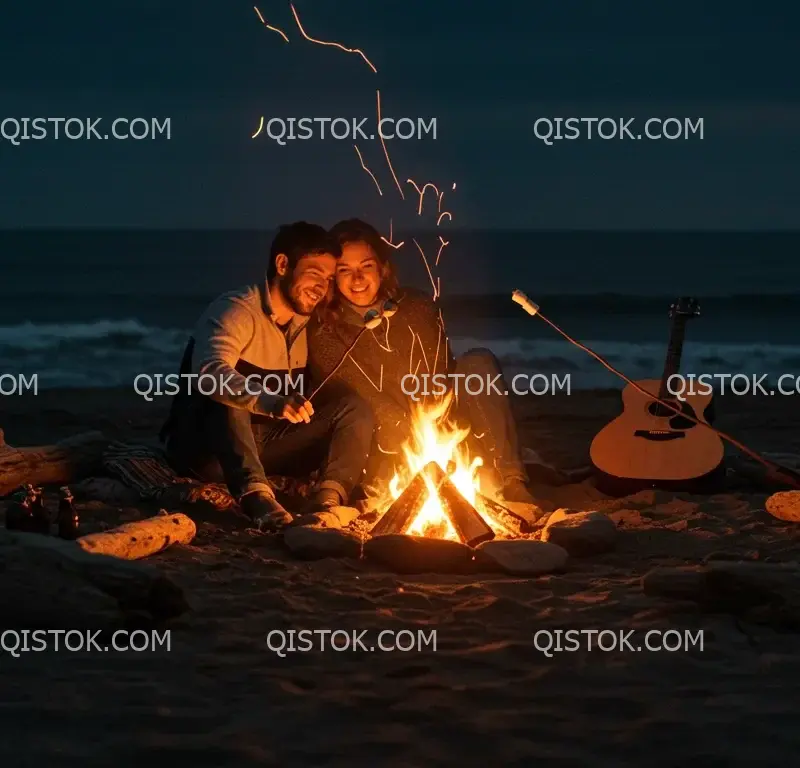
{"type": "Point", "coordinates": [401, 513]}
{"type": "Point", "coordinates": [141, 538]}
{"type": "Point", "coordinates": [504, 517]}
{"type": "Point", "coordinates": [58, 464]}
{"type": "Point", "coordinates": [470, 526]}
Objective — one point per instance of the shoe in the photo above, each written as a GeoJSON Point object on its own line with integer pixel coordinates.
{"type": "Point", "coordinates": [264, 511]}
{"type": "Point", "coordinates": [321, 501]}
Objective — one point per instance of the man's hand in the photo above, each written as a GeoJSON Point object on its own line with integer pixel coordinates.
{"type": "Point", "coordinates": [295, 408]}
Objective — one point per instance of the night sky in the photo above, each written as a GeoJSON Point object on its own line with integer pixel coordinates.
{"type": "Point", "coordinates": [486, 70]}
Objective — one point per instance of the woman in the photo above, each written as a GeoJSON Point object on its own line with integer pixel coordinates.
{"type": "Point", "coordinates": [388, 364]}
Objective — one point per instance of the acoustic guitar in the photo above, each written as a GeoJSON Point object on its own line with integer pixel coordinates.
{"type": "Point", "coordinates": [651, 446]}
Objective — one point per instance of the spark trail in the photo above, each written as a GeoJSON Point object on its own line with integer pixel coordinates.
{"type": "Point", "coordinates": [268, 26]}
{"type": "Point", "coordinates": [391, 238]}
{"type": "Point", "coordinates": [361, 160]}
{"type": "Point", "coordinates": [441, 215]}
{"type": "Point", "coordinates": [331, 43]}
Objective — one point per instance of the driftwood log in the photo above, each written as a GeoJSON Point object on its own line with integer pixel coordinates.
{"type": "Point", "coordinates": [58, 464]}
{"type": "Point", "coordinates": [141, 538]}
{"type": "Point", "coordinates": [135, 586]}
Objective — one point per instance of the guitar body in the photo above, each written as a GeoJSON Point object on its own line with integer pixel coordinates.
{"type": "Point", "coordinates": [643, 448]}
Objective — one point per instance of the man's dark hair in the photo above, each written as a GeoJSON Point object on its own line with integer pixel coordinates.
{"type": "Point", "coordinates": [358, 231]}
{"type": "Point", "coordinates": [298, 240]}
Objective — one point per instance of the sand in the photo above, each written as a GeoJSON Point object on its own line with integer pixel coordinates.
{"type": "Point", "coordinates": [486, 696]}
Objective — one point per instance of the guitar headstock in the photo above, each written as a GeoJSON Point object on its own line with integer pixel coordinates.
{"type": "Point", "coordinates": [685, 307]}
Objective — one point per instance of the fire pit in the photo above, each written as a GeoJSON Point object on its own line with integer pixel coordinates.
{"type": "Point", "coordinates": [433, 516]}
{"type": "Point", "coordinates": [436, 493]}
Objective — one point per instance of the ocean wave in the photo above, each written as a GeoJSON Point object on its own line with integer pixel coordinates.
{"type": "Point", "coordinates": [102, 353]}
{"type": "Point", "coordinates": [635, 360]}
{"type": "Point", "coordinates": [109, 353]}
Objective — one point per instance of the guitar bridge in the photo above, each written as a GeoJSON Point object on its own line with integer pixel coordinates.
{"type": "Point", "coordinates": [659, 435]}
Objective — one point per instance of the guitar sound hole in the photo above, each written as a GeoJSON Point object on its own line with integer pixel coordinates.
{"type": "Point", "coordinates": [661, 411]}
{"type": "Point", "coordinates": [676, 421]}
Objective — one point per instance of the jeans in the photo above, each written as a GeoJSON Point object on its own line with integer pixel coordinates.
{"type": "Point", "coordinates": [493, 433]}
{"type": "Point", "coordinates": [222, 444]}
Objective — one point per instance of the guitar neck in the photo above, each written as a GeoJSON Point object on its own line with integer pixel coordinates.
{"type": "Point", "coordinates": [672, 364]}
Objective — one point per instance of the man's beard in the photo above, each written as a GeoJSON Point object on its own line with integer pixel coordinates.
{"type": "Point", "coordinates": [285, 287]}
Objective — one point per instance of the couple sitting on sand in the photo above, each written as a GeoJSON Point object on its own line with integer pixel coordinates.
{"type": "Point", "coordinates": [299, 323]}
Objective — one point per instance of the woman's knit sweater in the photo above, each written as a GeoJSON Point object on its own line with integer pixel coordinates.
{"type": "Point", "coordinates": [412, 341]}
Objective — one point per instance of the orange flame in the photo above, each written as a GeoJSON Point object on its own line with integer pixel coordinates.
{"type": "Point", "coordinates": [434, 438]}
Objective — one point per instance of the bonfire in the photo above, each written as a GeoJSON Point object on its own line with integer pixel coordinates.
{"type": "Point", "coordinates": [436, 491]}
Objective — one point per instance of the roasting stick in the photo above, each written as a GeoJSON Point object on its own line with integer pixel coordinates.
{"type": "Point", "coordinates": [783, 473]}
{"type": "Point", "coordinates": [372, 320]}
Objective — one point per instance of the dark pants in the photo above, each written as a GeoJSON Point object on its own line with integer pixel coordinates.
{"type": "Point", "coordinates": [493, 433]}
{"type": "Point", "coordinates": [222, 444]}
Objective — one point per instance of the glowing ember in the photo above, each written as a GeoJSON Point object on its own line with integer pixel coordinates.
{"type": "Point", "coordinates": [434, 438]}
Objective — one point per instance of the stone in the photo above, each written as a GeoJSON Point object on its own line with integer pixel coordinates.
{"type": "Point", "coordinates": [785, 505]}
{"type": "Point", "coordinates": [582, 534]}
{"type": "Point", "coordinates": [561, 514]}
{"type": "Point", "coordinates": [420, 554]}
{"type": "Point", "coordinates": [310, 543]}
{"type": "Point", "coordinates": [523, 557]}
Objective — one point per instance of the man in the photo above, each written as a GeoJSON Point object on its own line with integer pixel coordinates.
{"type": "Point", "coordinates": [246, 427]}
{"type": "Point", "coordinates": [412, 340]}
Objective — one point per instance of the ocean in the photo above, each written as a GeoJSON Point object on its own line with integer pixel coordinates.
{"type": "Point", "coordinates": [97, 308]}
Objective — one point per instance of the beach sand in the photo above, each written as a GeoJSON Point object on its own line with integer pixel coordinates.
{"type": "Point", "coordinates": [486, 696]}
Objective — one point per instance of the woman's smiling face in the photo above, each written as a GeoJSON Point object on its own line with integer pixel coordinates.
{"type": "Point", "coordinates": [358, 274]}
